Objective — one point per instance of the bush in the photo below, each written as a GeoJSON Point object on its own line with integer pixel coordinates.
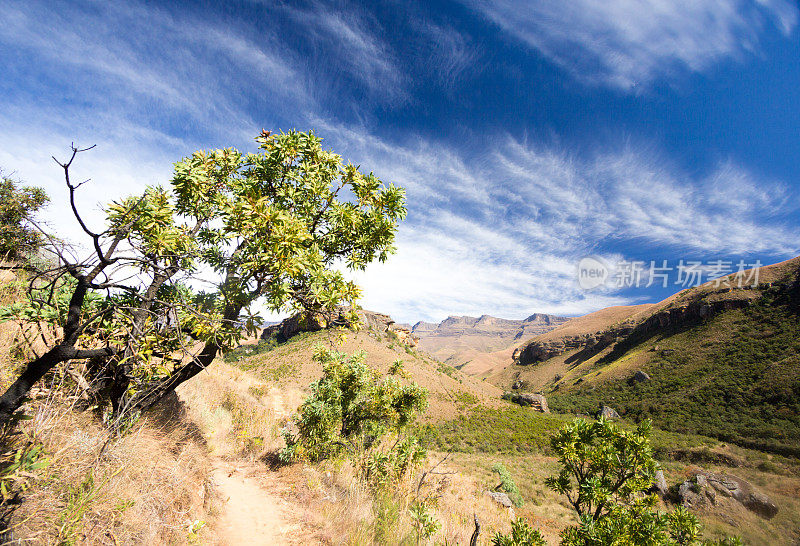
{"type": "Point", "coordinates": [351, 407]}
{"type": "Point", "coordinates": [507, 484]}
{"type": "Point", "coordinates": [17, 206]}
{"type": "Point", "coordinates": [604, 470]}
{"type": "Point", "coordinates": [521, 535]}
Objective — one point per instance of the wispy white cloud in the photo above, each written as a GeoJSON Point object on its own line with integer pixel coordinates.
{"type": "Point", "coordinates": [512, 245]}
{"type": "Point", "coordinates": [448, 55]}
{"type": "Point", "coordinates": [497, 232]}
{"type": "Point", "coordinates": [624, 43]}
{"type": "Point", "coordinates": [352, 44]}
{"type": "Point", "coordinates": [140, 63]}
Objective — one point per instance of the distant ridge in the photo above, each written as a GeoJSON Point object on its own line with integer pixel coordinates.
{"type": "Point", "coordinates": [458, 339]}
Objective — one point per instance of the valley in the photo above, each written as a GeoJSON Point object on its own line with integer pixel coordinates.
{"type": "Point", "coordinates": [715, 369]}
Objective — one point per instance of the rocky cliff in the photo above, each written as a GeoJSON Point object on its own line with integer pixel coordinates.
{"type": "Point", "coordinates": [688, 306]}
{"type": "Point", "coordinates": [457, 339]}
{"type": "Point", "coordinates": [312, 322]}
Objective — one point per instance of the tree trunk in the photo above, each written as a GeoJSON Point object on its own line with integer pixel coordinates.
{"type": "Point", "coordinates": [154, 394]}
{"type": "Point", "coordinates": [15, 395]}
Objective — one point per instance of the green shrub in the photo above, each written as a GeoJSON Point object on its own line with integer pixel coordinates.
{"type": "Point", "coordinates": [604, 471]}
{"type": "Point", "coordinates": [18, 204]}
{"type": "Point", "coordinates": [350, 408]}
{"type": "Point", "coordinates": [425, 523]}
{"type": "Point", "coordinates": [507, 485]}
{"type": "Point", "coordinates": [521, 535]}
{"type": "Point", "coordinates": [243, 352]}
{"type": "Point", "coordinates": [386, 467]}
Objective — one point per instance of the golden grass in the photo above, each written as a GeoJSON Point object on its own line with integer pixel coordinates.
{"type": "Point", "coordinates": [296, 354]}
{"type": "Point", "coordinates": [340, 509]}
{"type": "Point", "coordinates": [240, 415]}
{"type": "Point", "coordinates": [144, 488]}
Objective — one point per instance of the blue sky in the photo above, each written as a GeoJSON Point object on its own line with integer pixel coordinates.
{"type": "Point", "coordinates": [528, 134]}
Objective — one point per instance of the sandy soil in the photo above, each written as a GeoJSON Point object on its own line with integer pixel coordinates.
{"type": "Point", "coordinates": [253, 513]}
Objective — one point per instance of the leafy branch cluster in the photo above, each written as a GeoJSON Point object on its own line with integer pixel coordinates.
{"type": "Point", "coordinates": [351, 409]}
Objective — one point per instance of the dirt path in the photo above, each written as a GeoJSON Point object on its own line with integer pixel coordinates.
{"type": "Point", "coordinates": [250, 513]}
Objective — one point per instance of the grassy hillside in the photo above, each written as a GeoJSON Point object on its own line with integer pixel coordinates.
{"type": "Point", "coordinates": [450, 391]}
{"type": "Point", "coordinates": [733, 373]}
{"type": "Point", "coordinates": [735, 377]}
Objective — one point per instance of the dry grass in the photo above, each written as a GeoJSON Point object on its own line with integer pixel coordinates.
{"type": "Point", "coordinates": [340, 509]}
{"type": "Point", "coordinates": [144, 488]}
{"type": "Point", "coordinates": [240, 415]}
{"type": "Point", "coordinates": [446, 386]}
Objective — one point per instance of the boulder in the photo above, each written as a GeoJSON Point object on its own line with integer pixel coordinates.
{"type": "Point", "coordinates": [761, 505]}
{"type": "Point", "coordinates": [296, 324]}
{"type": "Point", "coordinates": [500, 498]}
{"type": "Point", "coordinates": [742, 491]}
{"type": "Point", "coordinates": [696, 492]}
{"type": "Point", "coordinates": [341, 316]}
{"type": "Point", "coordinates": [608, 413]}
{"type": "Point", "coordinates": [639, 377]}
{"type": "Point", "coordinates": [659, 486]}
{"type": "Point", "coordinates": [687, 494]}
{"type": "Point", "coordinates": [535, 401]}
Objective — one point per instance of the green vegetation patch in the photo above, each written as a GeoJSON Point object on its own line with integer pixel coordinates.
{"type": "Point", "coordinates": [493, 430]}
{"type": "Point", "coordinates": [243, 352]}
{"type": "Point", "coordinates": [735, 377]}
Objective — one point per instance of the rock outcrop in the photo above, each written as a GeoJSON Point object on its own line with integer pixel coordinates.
{"type": "Point", "coordinates": [500, 498]}
{"type": "Point", "coordinates": [608, 413]}
{"type": "Point", "coordinates": [660, 486]}
{"type": "Point", "coordinates": [539, 351]}
{"type": "Point", "coordinates": [313, 322]}
{"type": "Point", "coordinates": [536, 401]}
{"type": "Point", "coordinates": [296, 324]}
{"type": "Point", "coordinates": [639, 377]}
{"type": "Point", "coordinates": [704, 487]}
{"type": "Point", "coordinates": [675, 313]}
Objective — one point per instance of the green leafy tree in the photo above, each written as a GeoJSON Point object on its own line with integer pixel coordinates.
{"type": "Point", "coordinates": [18, 204]}
{"type": "Point", "coordinates": [276, 226]}
{"type": "Point", "coordinates": [601, 465]}
{"type": "Point", "coordinates": [284, 218]}
{"type": "Point", "coordinates": [350, 409]}
{"type": "Point", "coordinates": [604, 473]}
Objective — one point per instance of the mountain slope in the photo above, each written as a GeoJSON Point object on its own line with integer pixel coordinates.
{"type": "Point", "coordinates": [458, 340]}
{"type": "Point", "coordinates": [292, 366]}
{"type": "Point", "coordinates": [722, 361]}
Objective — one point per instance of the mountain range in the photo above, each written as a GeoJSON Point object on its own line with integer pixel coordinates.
{"type": "Point", "coordinates": [459, 339]}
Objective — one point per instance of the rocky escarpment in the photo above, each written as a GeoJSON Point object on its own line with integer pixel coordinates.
{"type": "Point", "coordinates": [539, 351]}
{"type": "Point", "coordinates": [458, 339]}
{"type": "Point", "coordinates": [536, 401]}
{"type": "Point", "coordinates": [675, 314]}
{"type": "Point", "coordinates": [706, 487]}
{"type": "Point", "coordinates": [487, 325]}
{"type": "Point", "coordinates": [313, 322]}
